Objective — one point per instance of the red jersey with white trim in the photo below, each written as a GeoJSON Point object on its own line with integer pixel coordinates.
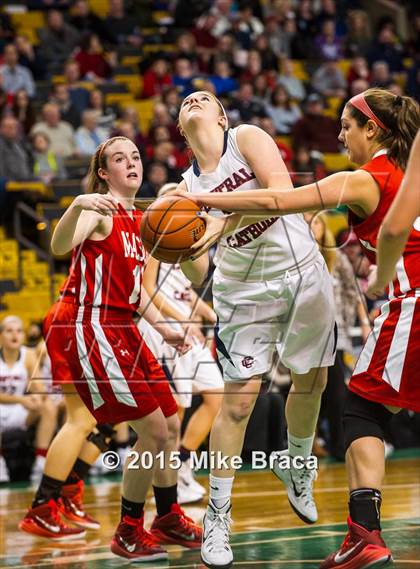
{"type": "Point", "coordinates": [108, 272]}
{"type": "Point", "coordinates": [389, 178]}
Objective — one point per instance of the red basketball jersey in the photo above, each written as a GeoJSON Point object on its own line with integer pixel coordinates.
{"type": "Point", "coordinates": [108, 273]}
{"type": "Point", "coordinates": [389, 178]}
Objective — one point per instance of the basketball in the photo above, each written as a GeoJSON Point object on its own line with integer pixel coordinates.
{"type": "Point", "coordinates": [170, 227]}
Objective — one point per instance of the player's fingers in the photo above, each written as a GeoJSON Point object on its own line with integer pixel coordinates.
{"type": "Point", "coordinates": [111, 202]}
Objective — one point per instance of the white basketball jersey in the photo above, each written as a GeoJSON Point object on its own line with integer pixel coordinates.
{"type": "Point", "coordinates": [263, 250]}
{"type": "Point", "coordinates": [175, 286]}
{"type": "Point", "coordinates": [14, 380]}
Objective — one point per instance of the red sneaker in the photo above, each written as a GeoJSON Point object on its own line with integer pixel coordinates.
{"type": "Point", "coordinates": [360, 549]}
{"type": "Point", "coordinates": [133, 542]}
{"type": "Point", "coordinates": [44, 521]}
{"type": "Point", "coordinates": [71, 507]}
{"type": "Point", "coordinates": [177, 527]}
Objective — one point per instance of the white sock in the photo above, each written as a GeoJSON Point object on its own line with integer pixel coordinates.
{"type": "Point", "coordinates": [300, 447]}
{"type": "Point", "coordinates": [220, 492]}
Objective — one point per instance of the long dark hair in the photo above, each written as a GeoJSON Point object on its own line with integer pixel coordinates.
{"type": "Point", "coordinates": [401, 116]}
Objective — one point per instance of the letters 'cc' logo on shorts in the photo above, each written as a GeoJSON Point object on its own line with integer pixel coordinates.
{"type": "Point", "coordinates": [248, 361]}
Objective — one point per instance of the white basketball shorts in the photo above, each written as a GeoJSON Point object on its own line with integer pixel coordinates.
{"type": "Point", "coordinates": [293, 314]}
{"type": "Point", "coordinates": [13, 417]}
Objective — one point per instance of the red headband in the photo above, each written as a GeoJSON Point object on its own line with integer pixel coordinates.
{"type": "Point", "coordinates": [360, 103]}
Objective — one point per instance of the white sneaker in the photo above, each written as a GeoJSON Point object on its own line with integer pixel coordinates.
{"type": "Point", "coordinates": [38, 469]}
{"type": "Point", "coordinates": [216, 552]}
{"type": "Point", "coordinates": [187, 494]}
{"type": "Point", "coordinates": [4, 472]}
{"type": "Point", "coordinates": [98, 468]}
{"type": "Point", "coordinates": [299, 484]}
{"type": "Point", "coordinates": [186, 478]}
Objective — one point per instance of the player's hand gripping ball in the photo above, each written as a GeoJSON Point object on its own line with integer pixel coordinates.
{"type": "Point", "coordinates": [169, 227]}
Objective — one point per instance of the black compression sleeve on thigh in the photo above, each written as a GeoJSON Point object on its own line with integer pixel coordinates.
{"type": "Point", "coordinates": [363, 418]}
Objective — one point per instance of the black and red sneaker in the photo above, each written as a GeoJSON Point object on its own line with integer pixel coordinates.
{"type": "Point", "coordinates": [45, 521]}
{"type": "Point", "coordinates": [71, 506]}
{"type": "Point", "coordinates": [133, 542]}
{"type": "Point", "coordinates": [176, 527]}
{"type": "Point", "coordinates": [360, 549]}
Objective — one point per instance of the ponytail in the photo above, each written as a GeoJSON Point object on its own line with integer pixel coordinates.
{"type": "Point", "coordinates": [95, 184]}
{"type": "Point", "coordinates": [399, 115]}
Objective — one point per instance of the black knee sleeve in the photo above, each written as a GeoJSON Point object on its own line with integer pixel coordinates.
{"type": "Point", "coordinates": [102, 437]}
{"type": "Point", "coordinates": [363, 418]}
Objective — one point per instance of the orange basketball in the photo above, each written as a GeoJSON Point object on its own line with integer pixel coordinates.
{"type": "Point", "coordinates": [169, 227]}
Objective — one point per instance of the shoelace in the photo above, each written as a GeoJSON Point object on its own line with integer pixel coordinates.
{"type": "Point", "coordinates": [303, 480]}
{"type": "Point", "coordinates": [144, 537]}
{"type": "Point", "coordinates": [55, 516]}
{"type": "Point", "coordinates": [220, 527]}
{"type": "Point", "coordinates": [186, 522]}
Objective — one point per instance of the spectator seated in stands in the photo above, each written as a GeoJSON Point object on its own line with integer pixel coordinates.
{"type": "Point", "coordinates": [89, 136]}
{"type": "Point", "coordinates": [283, 110]}
{"type": "Point", "coordinates": [269, 59]}
{"type": "Point", "coordinates": [381, 76]}
{"type": "Point", "coordinates": [293, 84]}
{"type": "Point", "coordinates": [24, 111]}
{"type": "Point", "coordinates": [329, 45]}
{"type": "Point", "coordinates": [387, 48]}
{"type": "Point", "coordinates": [247, 26]}
{"type": "Point", "coordinates": [47, 166]}
{"type": "Point", "coordinates": [161, 117]}
{"type": "Point", "coordinates": [127, 129]}
{"type": "Point", "coordinates": [122, 28]}
{"type": "Point", "coordinates": [156, 78]}
{"type": "Point", "coordinates": [222, 79]}
{"type": "Point", "coordinates": [57, 40]}
{"type": "Point", "coordinates": [156, 177]}
{"type": "Point", "coordinates": [15, 76]}
{"type": "Point", "coordinates": [23, 401]}
{"type": "Point", "coordinates": [106, 114]}
{"type": "Point", "coordinates": [305, 165]}
{"type": "Point", "coordinates": [172, 101]}
{"type": "Point", "coordinates": [61, 96]}
{"type": "Point", "coordinates": [359, 69]}
{"type": "Point", "coordinates": [358, 38]}
{"type": "Point", "coordinates": [79, 95]}
{"type": "Point", "coordinates": [314, 129]}
{"type": "Point", "coordinates": [15, 163]}
{"type": "Point", "coordinates": [184, 76]}
{"type": "Point", "coordinates": [86, 21]}
{"type": "Point", "coordinates": [30, 57]}
{"type": "Point", "coordinates": [94, 64]}
{"type": "Point", "coordinates": [267, 124]}
{"type": "Point", "coordinates": [245, 105]}
{"type": "Point", "coordinates": [329, 81]}
{"type": "Point", "coordinates": [60, 133]}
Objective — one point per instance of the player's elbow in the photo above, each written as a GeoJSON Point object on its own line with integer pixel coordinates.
{"type": "Point", "coordinates": [391, 231]}
{"type": "Point", "coordinates": [57, 248]}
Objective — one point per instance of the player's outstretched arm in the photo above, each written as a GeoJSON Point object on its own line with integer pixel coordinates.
{"type": "Point", "coordinates": [80, 220]}
{"type": "Point", "coordinates": [149, 312]}
{"type": "Point", "coordinates": [344, 188]}
{"type": "Point", "coordinates": [398, 223]}
{"type": "Point", "coordinates": [196, 270]}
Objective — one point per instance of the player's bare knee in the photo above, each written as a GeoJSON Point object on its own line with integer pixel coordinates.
{"type": "Point", "coordinates": [240, 412]}
{"type": "Point", "coordinates": [174, 427]}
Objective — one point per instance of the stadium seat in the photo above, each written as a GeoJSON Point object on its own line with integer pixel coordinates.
{"type": "Point", "coordinates": [335, 162]}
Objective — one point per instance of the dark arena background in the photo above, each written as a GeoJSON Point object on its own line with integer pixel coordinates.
{"type": "Point", "coordinates": [74, 73]}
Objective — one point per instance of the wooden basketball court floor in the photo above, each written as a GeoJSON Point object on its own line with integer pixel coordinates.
{"type": "Point", "coordinates": [266, 533]}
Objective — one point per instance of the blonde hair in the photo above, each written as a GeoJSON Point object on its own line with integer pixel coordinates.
{"type": "Point", "coordinates": [94, 182]}
{"type": "Point", "coordinates": [9, 320]}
